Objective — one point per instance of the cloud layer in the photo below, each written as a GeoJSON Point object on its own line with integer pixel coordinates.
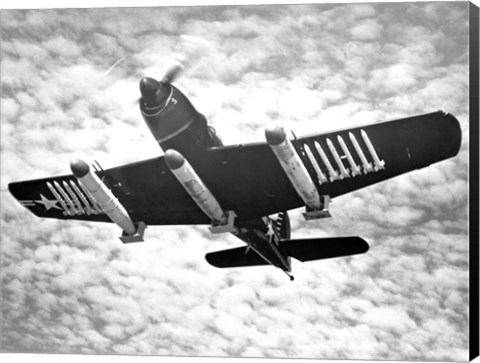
{"type": "Point", "coordinates": [72, 287]}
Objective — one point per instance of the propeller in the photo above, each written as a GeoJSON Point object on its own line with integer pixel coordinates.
{"type": "Point", "coordinates": [189, 49]}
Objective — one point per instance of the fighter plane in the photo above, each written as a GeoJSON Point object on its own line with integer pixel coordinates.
{"type": "Point", "coordinates": [247, 189]}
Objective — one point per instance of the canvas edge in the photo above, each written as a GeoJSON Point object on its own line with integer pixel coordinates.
{"type": "Point", "coordinates": [474, 180]}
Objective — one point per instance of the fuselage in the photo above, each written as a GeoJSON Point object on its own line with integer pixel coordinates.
{"type": "Point", "coordinates": [177, 125]}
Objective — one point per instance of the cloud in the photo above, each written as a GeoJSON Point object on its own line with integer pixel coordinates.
{"type": "Point", "coordinates": [72, 287]}
{"type": "Point", "coordinates": [367, 30]}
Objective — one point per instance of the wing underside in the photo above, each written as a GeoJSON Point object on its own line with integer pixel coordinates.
{"type": "Point", "coordinates": [248, 179]}
{"type": "Point", "coordinates": [338, 162]}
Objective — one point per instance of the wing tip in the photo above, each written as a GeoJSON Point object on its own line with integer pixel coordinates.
{"type": "Point", "coordinates": [455, 131]}
{"type": "Point", "coordinates": [211, 260]}
{"type": "Point", "coordinates": [363, 245]}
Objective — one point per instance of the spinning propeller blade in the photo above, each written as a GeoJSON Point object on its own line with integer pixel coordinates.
{"type": "Point", "coordinates": [189, 49]}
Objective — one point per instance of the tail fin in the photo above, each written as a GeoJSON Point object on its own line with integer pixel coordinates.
{"type": "Point", "coordinates": [301, 249]}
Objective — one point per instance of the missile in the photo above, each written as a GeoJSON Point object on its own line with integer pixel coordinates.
{"type": "Point", "coordinates": [367, 167]}
{"type": "Point", "coordinates": [353, 166]}
{"type": "Point", "coordinates": [73, 197]}
{"type": "Point", "coordinates": [66, 198]}
{"type": "Point", "coordinates": [194, 186]}
{"type": "Point", "coordinates": [88, 209]}
{"type": "Point", "coordinates": [292, 166]}
{"type": "Point", "coordinates": [343, 172]}
{"type": "Point", "coordinates": [333, 174]}
{"type": "Point", "coordinates": [321, 177]}
{"type": "Point", "coordinates": [379, 164]}
{"type": "Point", "coordinates": [102, 196]}
{"type": "Point", "coordinates": [59, 198]}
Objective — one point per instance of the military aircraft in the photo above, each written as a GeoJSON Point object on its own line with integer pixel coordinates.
{"type": "Point", "coordinates": [246, 189]}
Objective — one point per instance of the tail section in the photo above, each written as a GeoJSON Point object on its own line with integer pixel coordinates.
{"type": "Point", "coordinates": [322, 248]}
{"type": "Point", "coordinates": [235, 257]}
{"type": "Point", "coordinates": [300, 249]}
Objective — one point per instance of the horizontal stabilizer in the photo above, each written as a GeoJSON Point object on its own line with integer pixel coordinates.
{"type": "Point", "coordinates": [300, 249]}
{"type": "Point", "coordinates": [235, 257]}
{"type": "Point", "coordinates": [320, 248]}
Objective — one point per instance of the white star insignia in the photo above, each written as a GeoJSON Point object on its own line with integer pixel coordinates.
{"type": "Point", "coordinates": [47, 203]}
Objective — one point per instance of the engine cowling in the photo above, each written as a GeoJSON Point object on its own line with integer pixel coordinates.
{"type": "Point", "coordinates": [173, 120]}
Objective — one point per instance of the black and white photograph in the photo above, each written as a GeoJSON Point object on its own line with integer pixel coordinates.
{"type": "Point", "coordinates": [252, 181]}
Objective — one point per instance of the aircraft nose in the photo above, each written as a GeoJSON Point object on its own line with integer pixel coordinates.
{"type": "Point", "coordinates": [154, 93]}
{"type": "Point", "coordinates": [149, 88]}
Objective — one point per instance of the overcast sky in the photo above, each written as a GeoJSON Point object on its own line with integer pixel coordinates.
{"type": "Point", "coordinates": [73, 287]}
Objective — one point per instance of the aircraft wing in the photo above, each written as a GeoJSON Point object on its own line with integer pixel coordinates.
{"type": "Point", "coordinates": [248, 178]}
{"type": "Point", "coordinates": [147, 189]}
{"type": "Point", "coordinates": [254, 184]}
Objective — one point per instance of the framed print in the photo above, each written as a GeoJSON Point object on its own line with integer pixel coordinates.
{"type": "Point", "coordinates": [254, 181]}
